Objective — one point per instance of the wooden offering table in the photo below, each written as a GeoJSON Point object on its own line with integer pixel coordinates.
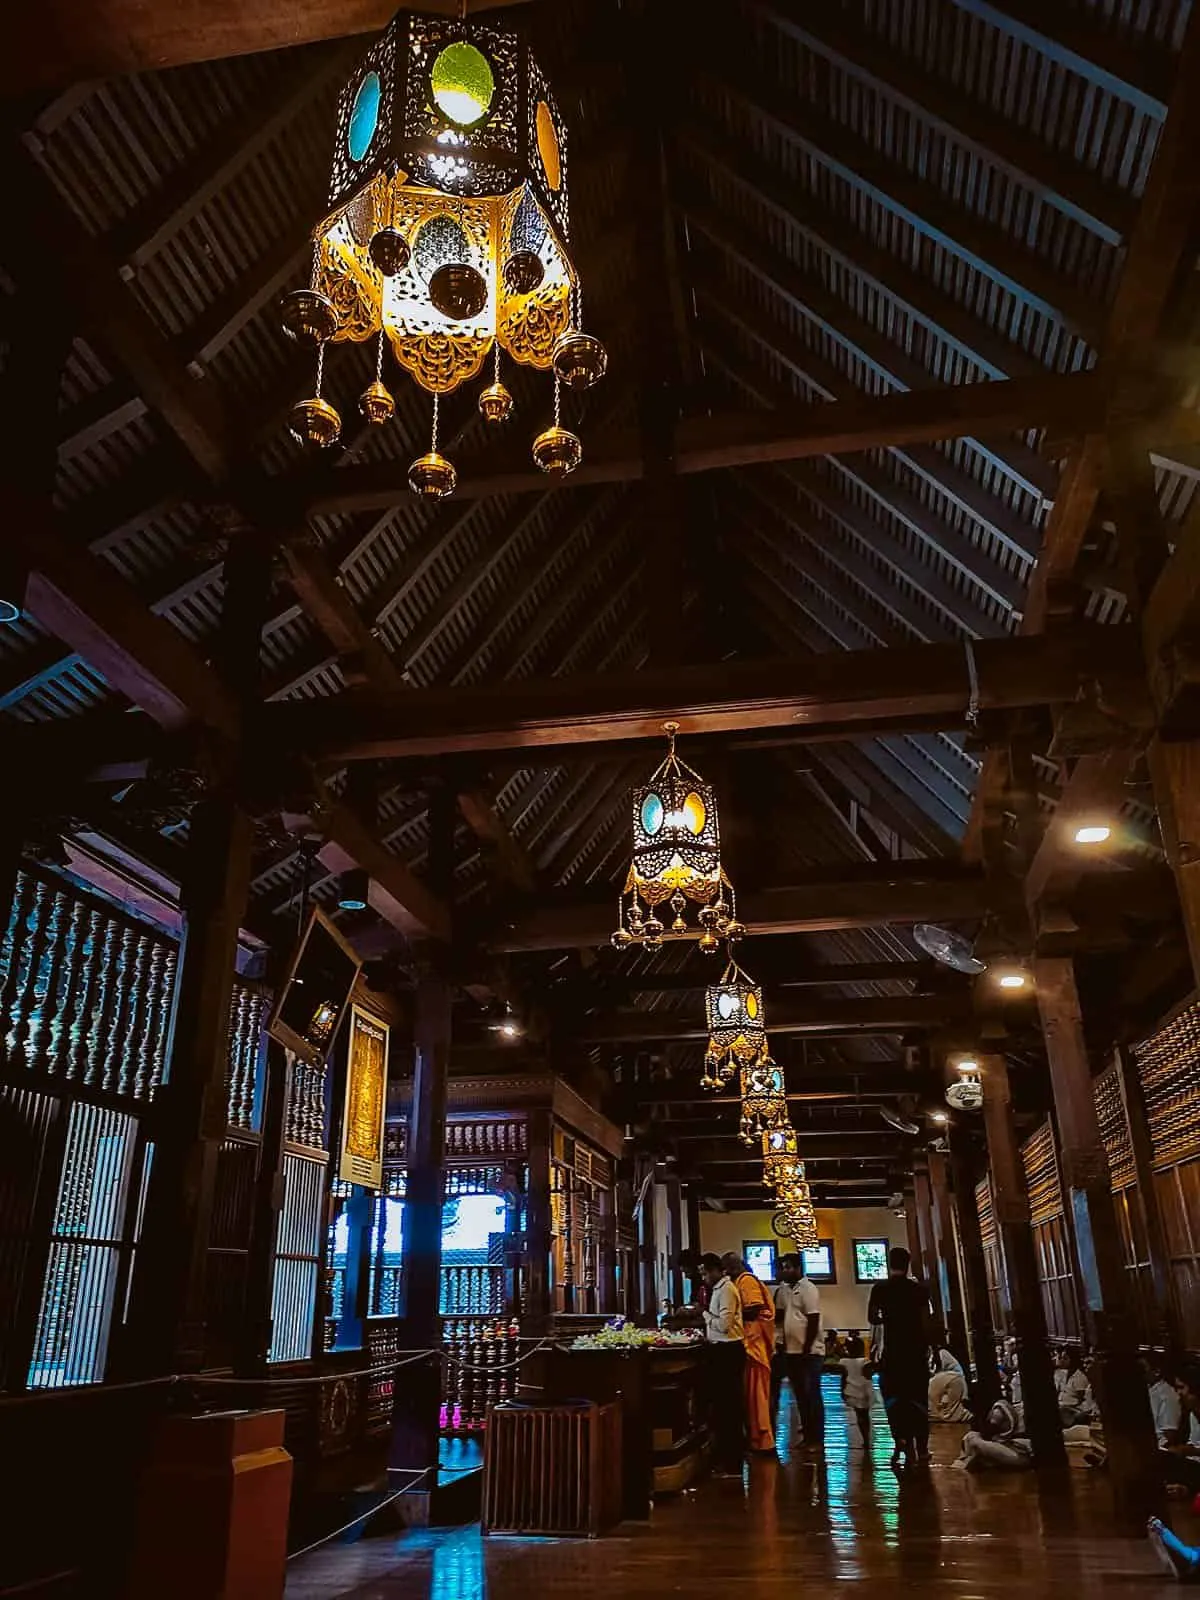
{"type": "Point", "coordinates": [665, 1440]}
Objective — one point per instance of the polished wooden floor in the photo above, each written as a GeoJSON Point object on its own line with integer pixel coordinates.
{"type": "Point", "coordinates": [799, 1526]}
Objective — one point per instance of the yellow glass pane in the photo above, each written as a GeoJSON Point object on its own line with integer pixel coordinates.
{"type": "Point", "coordinates": [752, 1006]}
{"type": "Point", "coordinates": [547, 143]}
{"type": "Point", "coordinates": [695, 814]}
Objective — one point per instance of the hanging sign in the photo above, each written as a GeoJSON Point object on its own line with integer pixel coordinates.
{"type": "Point", "coordinates": [361, 1158]}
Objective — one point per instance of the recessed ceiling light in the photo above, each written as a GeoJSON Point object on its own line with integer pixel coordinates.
{"type": "Point", "coordinates": [938, 1116]}
{"type": "Point", "coordinates": [1092, 833]}
{"type": "Point", "coordinates": [1012, 980]}
{"type": "Point", "coordinates": [967, 1064]}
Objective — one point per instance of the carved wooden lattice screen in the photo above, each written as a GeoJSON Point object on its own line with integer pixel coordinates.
{"type": "Point", "coordinates": [1052, 1242]}
{"type": "Point", "coordinates": [1169, 1068]}
{"type": "Point", "coordinates": [86, 995]}
{"type": "Point", "coordinates": [1127, 1201]}
{"type": "Point", "coordinates": [997, 1298]}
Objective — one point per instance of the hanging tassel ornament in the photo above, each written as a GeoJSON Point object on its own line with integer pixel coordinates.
{"type": "Point", "coordinates": [580, 360]}
{"type": "Point", "coordinates": [314, 422]}
{"type": "Point", "coordinates": [308, 316]}
{"type": "Point", "coordinates": [557, 451]}
{"type": "Point", "coordinates": [375, 402]}
{"type": "Point", "coordinates": [495, 403]}
{"type": "Point", "coordinates": [431, 475]}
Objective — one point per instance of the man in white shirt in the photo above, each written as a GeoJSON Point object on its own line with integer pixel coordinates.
{"type": "Point", "coordinates": [1165, 1405]}
{"type": "Point", "coordinates": [798, 1315]}
{"type": "Point", "coordinates": [725, 1330]}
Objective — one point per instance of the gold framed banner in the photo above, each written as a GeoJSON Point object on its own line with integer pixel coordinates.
{"type": "Point", "coordinates": [361, 1159]}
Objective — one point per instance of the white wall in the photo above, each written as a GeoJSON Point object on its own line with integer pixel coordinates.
{"type": "Point", "coordinates": [844, 1303]}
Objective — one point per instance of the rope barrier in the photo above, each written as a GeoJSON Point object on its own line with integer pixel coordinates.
{"type": "Point", "coordinates": [417, 1472]}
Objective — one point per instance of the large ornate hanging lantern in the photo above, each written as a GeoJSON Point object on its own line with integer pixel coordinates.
{"type": "Point", "coordinates": [447, 234]}
{"type": "Point", "coordinates": [782, 1166]}
{"type": "Point", "coordinates": [676, 862]}
{"type": "Point", "coordinates": [764, 1099]}
{"type": "Point", "coordinates": [736, 1026]}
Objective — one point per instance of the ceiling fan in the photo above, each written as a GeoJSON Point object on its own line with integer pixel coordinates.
{"type": "Point", "coordinates": [895, 1120]}
{"type": "Point", "coordinates": [951, 948]}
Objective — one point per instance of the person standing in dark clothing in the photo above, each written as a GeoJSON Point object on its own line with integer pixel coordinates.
{"type": "Point", "coordinates": [899, 1310]}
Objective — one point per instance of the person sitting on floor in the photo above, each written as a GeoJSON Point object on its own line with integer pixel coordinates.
{"type": "Point", "coordinates": [1180, 1456]}
{"type": "Point", "coordinates": [1075, 1401]}
{"type": "Point", "coordinates": [947, 1387]}
{"type": "Point", "coordinates": [999, 1443]}
{"type": "Point", "coordinates": [1165, 1405]}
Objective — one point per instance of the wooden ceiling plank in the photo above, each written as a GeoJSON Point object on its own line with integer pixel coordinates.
{"type": "Point", "coordinates": [1053, 175]}
{"type": "Point", "coordinates": [829, 1018]}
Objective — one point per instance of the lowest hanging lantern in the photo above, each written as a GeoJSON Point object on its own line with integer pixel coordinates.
{"type": "Point", "coordinates": [764, 1099]}
{"type": "Point", "coordinates": [736, 1026]}
{"type": "Point", "coordinates": [676, 861]}
{"type": "Point", "coordinates": [782, 1166]}
{"type": "Point", "coordinates": [798, 1221]}
{"type": "Point", "coordinates": [447, 234]}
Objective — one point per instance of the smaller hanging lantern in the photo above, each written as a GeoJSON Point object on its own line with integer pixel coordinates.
{"type": "Point", "coordinates": [676, 860]}
{"type": "Point", "coordinates": [764, 1099]}
{"type": "Point", "coordinates": [782, 1166]}
{"type": "Point", "coordinates": [798, 1222]}
{"type": "Point", "coordinates": [736, 1025]}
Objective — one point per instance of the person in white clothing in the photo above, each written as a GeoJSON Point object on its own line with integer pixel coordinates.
{"type": "Point", "coordinates": [1165, 1405]}
{"type": "Point", "coordinates": [1075, 1402]}
{"type": "Point", "coordinates": [857, 1390]}
{"type": "Point", "coordinates": [947, 1388]}
{"type": "Point", "coordinates": [798, 1304]}
{"type": "Point", "coordinates": [724, 1330]}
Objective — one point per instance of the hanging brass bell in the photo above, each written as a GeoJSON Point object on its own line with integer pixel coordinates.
{"type": "Point", "coordinates": [308, 317]}
{"type": "Point", "coordinates": [709, 942]}
{"type": "Point", "coordinates": [389, 251]}
{"type": "Point", "coordinates": [432, 476]}
{"type": "Point", "coordinates": [314, 422]}
{"type": "Point", "coordinates": [458, 291]}
{"type": "Point", "coordinates": [557, 451]}
{"type": "Point", "coordinates": [495, 403]}
{"type": "Point", "coordinates": [621, 939]}
{"type": "Point", "coordinates": [376, 403]}
{"type": "Point", "coordinates": [523, 272]}
{"type": "Point", "coordinates": [579, 360]}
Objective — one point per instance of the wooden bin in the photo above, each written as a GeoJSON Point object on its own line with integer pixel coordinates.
{"type": "Point", "coordinates": [552, 1469]}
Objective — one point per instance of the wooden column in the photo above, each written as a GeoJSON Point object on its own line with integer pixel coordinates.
{"type": "Point", "coordinates": [912, 1227]}
{"type": "Point", "coordinates": [1175, 771]}
{"type": "Point", "coordinates": [1166, 1299]}
{"type": "Point", "coordinates": [949, 1282]}
{"type": "Point", "coordinates": [415, 1423]}
{"type": "Point", "coordinates": [674, 1241]}
{"type": "Point", "coordinates": [929, 1257]}
{"type": "Point", "coordinates": [1011, 1206]}
{"type": "Point", "coordinates": [537, 1226]}
{"type": "Point", "coordinates": [1120, 1386]}
{"type": "Point", "coordinates": [975, 1283]}
{"type": "Point", "coordinates": [165, 1328]}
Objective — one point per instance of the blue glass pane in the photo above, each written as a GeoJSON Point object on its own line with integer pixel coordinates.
{"type": "Point", "coordinates": [364, 117]}
{"type": "Point", "coordinates": [652, 813]}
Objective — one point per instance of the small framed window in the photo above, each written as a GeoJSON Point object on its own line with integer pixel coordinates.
{"type": "Point", "coordinates": [762, 1259]}
{"type": "Point", "coordinates": [871, 1260]}
{"type": "Point", "coordinates": [819, 1263]}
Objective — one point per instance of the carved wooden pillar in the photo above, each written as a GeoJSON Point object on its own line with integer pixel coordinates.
{"type": "Point", "coordinates": [1120, 1387]}
{"type": "Point", "coordinates": [1015, 1235]}
{"type": "Point", "coordinates": [975, 1284]}
{"type": "Point", "coordinates": [415, 1424]}
{"type": "Point", "coordinates": [912, 1227]}
{"type": "Point", "coordinates": [949, 1282]}
{"type": "Point", "coordinates": [929, 1257]}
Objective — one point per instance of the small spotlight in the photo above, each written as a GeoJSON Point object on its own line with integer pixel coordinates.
{"type": "Point", "coordinates": [510, 1030]}
{"type": "Point", "coordinates": [938, 1116]}
{"type": "Point", "coordinates": [1012, 980]}
{"type": "Point", "coordinates": [353, 890]}
{"type": "Point", "coordinates": [1092, 833]}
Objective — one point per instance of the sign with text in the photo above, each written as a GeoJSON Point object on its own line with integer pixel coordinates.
{"type": "Point", "coordinates": [366, 1101]}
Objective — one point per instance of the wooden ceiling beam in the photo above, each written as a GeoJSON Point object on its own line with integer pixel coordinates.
{"type": "Point", "coordinates": [799, 432]}
{"type": "Point", "coordinates": [823, 692]}
{"type": "Point", "coordinates": [119, 36]}
{"type": "Point", "coordinates": [825, 905]}
{"type": "Point", "coordinates": [836, 974]}
{"type": "Point", "coordinates": [1053, 175]}
{"type": "Point", "coordinates": [808, 297]}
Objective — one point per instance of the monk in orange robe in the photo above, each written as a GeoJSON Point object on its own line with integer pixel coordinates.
{"type": "Point", "coordinates": [758, 1315]}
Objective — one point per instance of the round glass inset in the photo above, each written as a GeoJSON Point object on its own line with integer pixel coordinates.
{"type": "Point", "coordinates": [547, 143]}
{"type": "Point", "coordinates": [463, 84]}
{"type": "Point", "coordinates": [695, 814]}
{"type": "Point", "coordinates": [652, 813]}
{"type": "Point", "coordinates": [726, 1006]}
{"type": "Point", "coordinates": [364, 116]}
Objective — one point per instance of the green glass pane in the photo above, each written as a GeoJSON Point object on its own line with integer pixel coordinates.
{"type": "Point", "coordinates": [462, 83]}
